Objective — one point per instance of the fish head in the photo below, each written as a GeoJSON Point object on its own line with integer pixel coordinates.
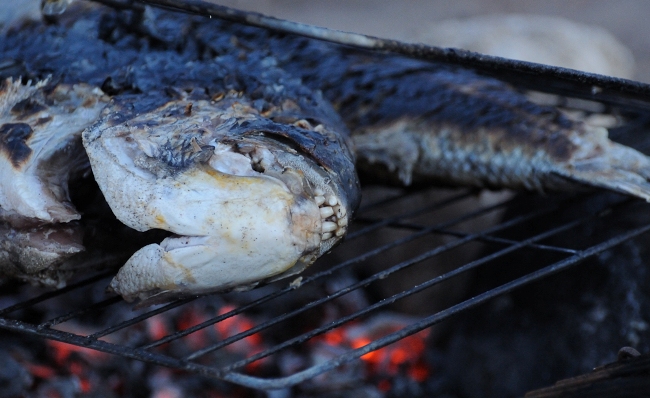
{"type": "Point", "coordinates": [244, 203]}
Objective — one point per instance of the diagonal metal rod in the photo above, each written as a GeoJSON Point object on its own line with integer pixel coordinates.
{"type": "Point", "coordinates": [211, 321]}
{"type": "Point", "coordinates": [73, 314]}
{"type": "Point", "coordinates": [376, 224]}
{"type": "Point", "coordinates": [138, 319]}
{"type": "Point", "coordinates": [268, 384]}
{"type": "Point", "coordinates": [380, 275]}
{"type": "Point", "coordinates": [434, 281]}
{"type": "Point", "coordinates": [321, 274]}
{"type": "Point", "coordinates": [277, 383]}
{"type": "Point", "coordinates": [406, 194]}
{"type": "Point", "coordinates": [55, 293]}
{"type": "Point", "coordinates": [504, 241]}
{"type": "Point", "coordinates": [237, 378]}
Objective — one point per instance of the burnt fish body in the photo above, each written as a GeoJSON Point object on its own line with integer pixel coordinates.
{"type": "Point", "coordinates": [251, 172]}
{"type": "Point", "coordinates": [422, 122]}
{"type": "Point", "coordinates": [237, 141]}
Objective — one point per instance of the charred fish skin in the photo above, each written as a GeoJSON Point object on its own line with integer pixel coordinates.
{"type": "Point", "coordinates": [459, 128]}
{"type": "Point", "coordinates": [126, 52]}
{"type": "Point", "coordinates": [252, 171]}
{"type": "Point", "coordinates": [508, 142]}
{"type": "Point", "coordinates": [410, 120]}
{"type": "Point", "coordinates": [421, 122]}
{"type": "Point", "coordinates": [313, 164]}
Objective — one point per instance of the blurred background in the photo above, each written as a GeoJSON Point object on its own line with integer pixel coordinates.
{"type": "Point", "coordinates": [411, 20]}
{"type": "Point", "coordinates": [624, 21]}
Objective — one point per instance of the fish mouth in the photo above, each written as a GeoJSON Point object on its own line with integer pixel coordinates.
{"type": "Point", "coordinates": [244, 208]}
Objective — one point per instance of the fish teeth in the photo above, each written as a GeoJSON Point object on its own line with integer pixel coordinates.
{"type": "Point", "coordinates": [334, 219]}
{"type": "Point", "coordinates": [339, 211]}
{"type": "Point", "coordinates": [329, 226]}
{"type": "Point", "coordinates": [326, 212]}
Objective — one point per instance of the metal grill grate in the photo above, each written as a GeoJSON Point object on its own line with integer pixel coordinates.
{"type": "Point", "coordinates": [393, 215]}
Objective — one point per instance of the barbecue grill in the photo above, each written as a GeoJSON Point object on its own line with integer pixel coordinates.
{"type": "Point", "coordinates": [409, 229]}
{"type": "Point", "coordinates": [498, 246]}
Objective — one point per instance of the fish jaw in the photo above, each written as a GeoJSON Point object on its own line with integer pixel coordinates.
{"type": "Point", "coordinates": [235, 232]}
{"type": "Point", "coordinates": [197, 265]}
{"type": "Point", "coordinates": [247, 210]}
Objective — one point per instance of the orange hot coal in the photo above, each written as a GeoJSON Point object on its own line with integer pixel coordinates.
{"type": "Point", "coordinates": [191, 317]}
{"type": "Point", "coordinates": [247, 346]}
{"type": "Point", "coordinates": [63, 351]}
{"type": "Point", "coordinates": [406, 356]}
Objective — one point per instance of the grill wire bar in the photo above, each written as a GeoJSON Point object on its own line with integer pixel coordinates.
{"type": "Point", "coordinates": [386, 301]}
{"type": "Point", "coordinates": [233, 373]}
{"type": "Point", "coordinates": [432, 320]}
{"type": "Point", "coordinates": [530, 75]}
{"type": "Point", "coordinates": [358, 285]}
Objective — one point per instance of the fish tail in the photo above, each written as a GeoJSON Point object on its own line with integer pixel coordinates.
{"type": "Point", "coordinates": [612, 166]}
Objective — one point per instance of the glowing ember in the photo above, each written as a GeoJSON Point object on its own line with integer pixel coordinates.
{"type": "Point", "coordinates": [249, 345]}
{"type": "Point", "coordinates": [64, 351]}
{"type": "Point", "coordinates": [41, 371]}
{"type": "Point", "coordinates": [192, 317]}
{"type": "Point", "coordinates": [405, 356]}
{"type": "Point", "coordinates": [87, 372]}
{"type": "Point", "coordinates": [83, 371]}
{"type": "Point", "coordinates": [157, 327]}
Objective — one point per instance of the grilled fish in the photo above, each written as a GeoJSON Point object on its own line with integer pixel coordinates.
{"type": "Point", "coordinates": [40, 150]}
{"type": "Point", "coordinates": [248, 199]}
{"type": "Point", "coordinates": [414, 121]}
{"type": "Point", "coordinates": [237, 141]}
